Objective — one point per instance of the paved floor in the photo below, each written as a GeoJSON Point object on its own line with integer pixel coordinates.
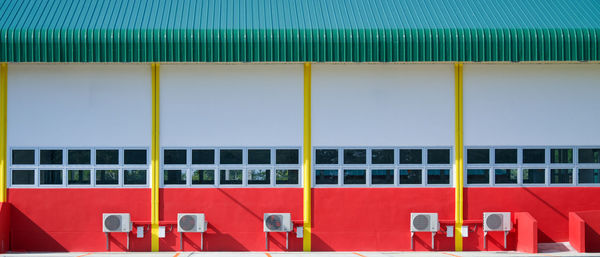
{"type": "Point", "coordinates": [301, 254]}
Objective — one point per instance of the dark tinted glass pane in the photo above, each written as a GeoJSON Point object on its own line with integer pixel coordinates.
{"type": "Point", "coordinates": [23, 157]}
{"type": "Point", "coordinates": [107, 156]}
{"type": "Point", "coordinates": [262, 156]}
{"type": "Point", "coordinates": [409, 177]}
{"type": "Point", "coordinates": [478, 156]}
{"type": "Point", "coordinates": [355, 156]}
{"type": "Point", "coordinates": [78, 177]}
{"type": "Point", "coordinates": [231, 177]}
{"type": "Point", "coordinates": [286, 156]}
{"type": "Point", "coordinates": [352, 177]}
{"type": "Point", "coordinates": [259, 176]}
{"type": "Point", "coordinates": [561, 176]}
{"type": "Point", "coordinates": [175, 156]}
{"type": "Point", "coordinates": [506, 176]}
{"type": "Point", "coordinates": [326, 156]}
{"type": "Point", "coordinates": [23, 177]}
{"type": "Point", "coordinates": [231, 156]}
{"type": "Point", "coordinates": [79, 156]}
{"type": "Point", "coordinates": [587, 155]}
{"type": "Point", "coordinates": [382, 177]}
{"type": "Point", "coordinates": [438, 156]}
{"type": "Point", "coordinates": [174, 177]}
{"type": "Point", "coordinates": [286, 177]}
{"type": "Point", "coordinates": [589, 176]}
{"type": "Point", "coordinates": [134, 177]}
{"type": "Point", "coordinates": [329, 177]}
{"type": "Point", "coordinates": [203, 156]}
{"type": "Point", "coordinates": [534, 156]}
{"type": "Point", "coordinates": [382, 156]}
{"type": "Point", "coordinates": [50, 177]}
{"type": "Point", "coordinates": [51, 157]}
{"type": "Point", "coordinates": [203, 177]}
{"type": "Point", "coordinates": [436, 177]}
{"type": "Point", "coordinates": [478, 176]}
{"type": "Point", "coordinates": [411, 156]}
{"type": "Point", "coordinates": [506, 155]}
{"type": "Point", "coordinates": [534, 176]}
{"type": "Point", "coordinates": [107, 177]}
{"type": "Point", "coordinates": [135, 157]}
{"type": "Point", "coordinates": [561, 155]}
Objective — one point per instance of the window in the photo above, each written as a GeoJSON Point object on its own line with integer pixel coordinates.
{"type": "Point", "coordinates": [203, 156]}
{"type": "Point", "coordinates": [506, 176]}
{"type": "Point", "coordinates": [506, 156]}
{"type": "Point", "coordinates": [534, 156]}
{"type": "Point", "coordinates": [478, 176]}
{"type": "Point", "coordinates": [23, 157]}
{"type": "Point", "coordinates": [378, 167]}
{"type": "Point", "coordinates": [478, 156]}
{"type": "Point", "coordinates": [589, 176]}
{"type": "Point", "coordinates": [235, 167]}
{"type": "Point", "coordinates": [51, 157]}
{"type": "Point", "coordinates": [23, 177]}
{"type": "Point", "coordinates": [589, 155]}
{"type": "Point", "coordinates": [72, 167]}
{"type": "Point", "coordinates": [175, 156]}
{"type": "Point", "coordinates": [561, 155]}
{"type": "Point", "coordinates": [534, 176]}
{"type": "Point", "coordinates": [561, 176]}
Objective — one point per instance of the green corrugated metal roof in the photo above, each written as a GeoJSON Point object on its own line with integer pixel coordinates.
{"type": "Point", "coordinates": [299, 30]}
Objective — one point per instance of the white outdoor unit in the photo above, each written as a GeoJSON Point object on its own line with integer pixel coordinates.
{"type": "Point", "coordinates": [423, 222]}
{"type": "Point", "coordinates": [116, 222]}
{"type": "Point", "coordinates": [277, 222]}
{"type": "Point", "coordinates": [191, 222]}
{"type": "Point", "coordinates": [496, 221]}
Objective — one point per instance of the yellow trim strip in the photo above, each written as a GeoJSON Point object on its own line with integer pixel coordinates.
{"type": "Point", "coordinates": [458, 162]}
{"type": "Point", "coordinates": [155, 154]}
{"type": "Point", "coordinates": [306, 240]}
{"type": "Point", "coordinates": [3, 149]}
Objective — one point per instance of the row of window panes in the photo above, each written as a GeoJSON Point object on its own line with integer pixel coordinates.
{"type": "Point", "coordinates": [382, 177]}
{"type": "Point", "coordinates": [78, 177]}
{"type": "Point", "coordinates": [381, 156]}
{"type": "Point", "coordinates": [531, 176]}
{"type": "Point", "coordinates": [558, 155]}
{"type": "Point", "coordinates": [78, 157]}
{"type": "Point", "coordinates": [230, 156]}
{"type": "Point", "coordinates": [232, 176]}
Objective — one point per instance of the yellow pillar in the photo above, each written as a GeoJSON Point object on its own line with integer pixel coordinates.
{"type": "Point", "coordinates": [3, 148]}
{"type": "Point", "coordinates": [458, 161]}
{"type": "Point", "coordinates": [155, 154]}
{"type": "Point", "coordinates": [306, 240]}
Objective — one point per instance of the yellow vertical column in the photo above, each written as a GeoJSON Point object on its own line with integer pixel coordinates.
{"type": "Point", "coordinates": [458, 161]}
{"type": "Point", "coordinates": [306, 243]}
{"type": "Point", "coordinates": [155, 154]}
{"type": "Point", "coordinates": [3, 149]}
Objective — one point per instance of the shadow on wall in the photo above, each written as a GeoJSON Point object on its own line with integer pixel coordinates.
{"type": "Point", "coordinates": [26, 232]}
{"type": "Point", "coordinates": [214, 240]}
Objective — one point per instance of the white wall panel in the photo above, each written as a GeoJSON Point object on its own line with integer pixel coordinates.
{"type": "Point", "coordinates": [79, 105]}
{"type": "Point", "coordinates": [532, 104]}
{"type": "Point", "coordinates": [231, 105]}
{"type": "Point", "coordinates": [383, 104]}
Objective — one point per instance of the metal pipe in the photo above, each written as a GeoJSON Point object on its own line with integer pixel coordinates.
{"type": "Point", "coordinates": [127, 241]}
{"type": "Point", "coordinates": [286, 240]}
{"type": "Point", "coordinates": [484, 241]}
{"type": "Point", "coordinates": [106, 240]}
{"type": "Point", "coordinates": [433, 240]}
{"type": "Point", "coordinates": [201, 241]}
{"type": "Point", "coordinates": [180, 241]}
{"type": "Point", "coordinates": [267, 241]}
{"type": "Point", "coordinates": [505, 234]}
{"type": "Point", "coordinates": [412, 240]}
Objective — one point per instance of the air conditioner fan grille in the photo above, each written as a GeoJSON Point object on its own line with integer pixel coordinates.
{"type": "Point", "coordinates": [187, 222]}
{"type": "Point", "coordinates": [421, 222]}
{"type": "Point", "coordinates": [113, 222]}
{"type": "Point", "coordinates": [274, 222]}
{"type": "Point", "coordinates": [494, 221]}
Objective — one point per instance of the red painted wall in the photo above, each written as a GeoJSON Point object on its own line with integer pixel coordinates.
{"type": "Point", "coordinates": [71, 219]}
{"type": "Point", "coordinates": [585, 226]}
{"type": "Point", "coordinates": [550, 206]}
{"type": "Point", "coordinates": [368, 219]}
{"type": "Point", "coordinates": [4, 227]}
{"type": "Point", "coordinates": [527, 232]}
{"type": "Point", "coordinates": [234, 216]}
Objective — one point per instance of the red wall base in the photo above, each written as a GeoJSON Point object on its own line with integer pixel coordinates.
{"type": "Point", "coordinates": [4, 227]}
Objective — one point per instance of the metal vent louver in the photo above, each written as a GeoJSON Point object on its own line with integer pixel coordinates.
{"type": "Point", "coordinates": [496, 221]}
{"type": "Point", "coordinates": [424, 222]}
{"type": "Point", "coordinates": [277, 222]}
{"type": "Point", "coordinates": [191, 222]}
{"type": "Point", "coordinates": [116, 222]}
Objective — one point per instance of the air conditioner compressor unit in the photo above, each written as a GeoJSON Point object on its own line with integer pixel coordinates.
{"type": "Point", "coordinates": [496, 221]}
{"type": "Point", "coordinates": [116, 222]}
{"type": "Point", "coordinates": [277, 222]}
{"type": "Point", "coordinates": [191, 222]}
{"type": "Point", "coordinates": [424, 222]}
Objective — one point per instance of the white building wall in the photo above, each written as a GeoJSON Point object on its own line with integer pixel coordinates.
{"type": "Point", "coordinates": [531, 104]}
{"type": "Point", "coordinates": [79, 105]}
{"type": "Point", "coordinates": [382, 104]}
{"type": "Point", "coordinates": [231, 105]}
